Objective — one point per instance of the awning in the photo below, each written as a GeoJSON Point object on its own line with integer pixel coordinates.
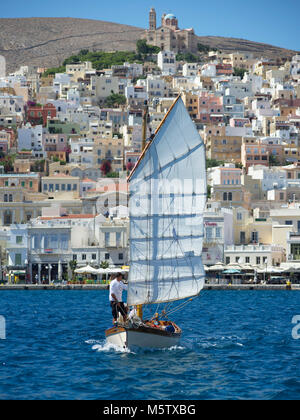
{"type": "Point", "coordinates": [231, 271]}
{"type": "Point", "coordinates": [17, 272]}
{"type": "Point", "coordinates": [86, 270]}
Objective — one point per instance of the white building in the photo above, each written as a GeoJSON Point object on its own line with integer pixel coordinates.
{"type": "Point", "coordinates": [190, 69]}
{"type": "Point", "coordinates": [270, 177]}
{"type": "Point", "coordinates": [218, 232]}
{"type": "Point", "coordinates": [31, 138]}
{"type": "Point", "coordinates": [256, 255]}
{"type": "Point", "coordinates": [2, 66]}
{"type": "Point", "coordinates": [166, 61]}
{"type": "Point", "coordinates": [17, 249]}
{"type": "Point", "coordinates": [156, 87]}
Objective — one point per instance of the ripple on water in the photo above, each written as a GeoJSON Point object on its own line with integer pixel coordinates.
{"type": "Point", "coordinates": [235, 345]}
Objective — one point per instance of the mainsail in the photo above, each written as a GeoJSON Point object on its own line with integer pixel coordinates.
{"type": "Point", "coordinates": [167, 199]}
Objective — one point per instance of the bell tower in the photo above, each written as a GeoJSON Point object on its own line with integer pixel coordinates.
{"type": "Point", "coordinates": [152, 19]}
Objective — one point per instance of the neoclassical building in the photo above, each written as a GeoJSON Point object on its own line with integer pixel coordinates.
{"type": "Point", "coordinates": [168, 36]}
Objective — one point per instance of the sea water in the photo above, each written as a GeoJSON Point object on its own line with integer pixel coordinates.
{"type": "Point", "coordinates": [235, 345]}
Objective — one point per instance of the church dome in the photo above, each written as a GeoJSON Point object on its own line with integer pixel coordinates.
{"type": "Point", "coordinates": [170, 16]}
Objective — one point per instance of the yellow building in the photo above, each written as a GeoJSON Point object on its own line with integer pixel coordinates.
{"type": "Point", "coordinates": [224, 148]}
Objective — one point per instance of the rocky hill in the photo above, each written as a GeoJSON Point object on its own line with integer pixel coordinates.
{"type": "Point", "coordinates": [47, 41]}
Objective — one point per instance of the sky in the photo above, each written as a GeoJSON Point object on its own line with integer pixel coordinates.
{"type": "Point", "coordinates": [270, 21]}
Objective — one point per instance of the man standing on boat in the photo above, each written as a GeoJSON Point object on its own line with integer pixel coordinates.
{"type": "Point", "coordinates": [116, 288]}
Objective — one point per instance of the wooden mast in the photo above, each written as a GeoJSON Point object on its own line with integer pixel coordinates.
{"type": "Point", "coordinates": [139, 308]}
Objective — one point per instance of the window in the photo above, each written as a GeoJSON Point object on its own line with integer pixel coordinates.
{"type": "Point", "coordinates": [107, 238]}
{"type": "Point", "coordinates": [106, 256]}
{"type": "Point", "coordinates": [18, 259]}
{"type": "Point", "coordinates": [94, 256]}
{"type": "Point", "coordinates": [247, 260]}
{"type": "Point", "coordinates": [64, 240]}
{"type": "Point", "coordinates": [242, 237]}
{"type": "Point", "coordinates": [120, 256]}
{"type": "Point", "coordinates": [225, 196]}
{"type": "Point", "coordinates": [118, 238]}
{"type": "Point", "coordinates": [227, 260]}
{"type": "Point", "coordinates": [254, 237]}
{"type": "Point", "coordinates": [218, 232]}
{"type": "Point", "coordinates": [289, 222]}
{"type": "Point", "coordinates": [258, 260]}
{"type": "Point", "coordinates": [83, 257]}
{"type": "Point", "coordinates": [19, 239]}
{"type": "Point", "coordinates": [209, 233]}
{"type": "Point", "coordinates": [74, 257]}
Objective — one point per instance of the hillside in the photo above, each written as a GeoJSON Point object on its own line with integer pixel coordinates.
{"type": "Point", "coordinates": [47, 41]}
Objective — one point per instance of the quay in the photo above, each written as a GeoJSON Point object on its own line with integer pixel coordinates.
{"type": "Point", "coordinates": [105, 287]}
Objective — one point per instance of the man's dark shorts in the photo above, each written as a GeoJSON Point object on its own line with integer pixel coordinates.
{"type": "Point", "coordinates": [115, 308]}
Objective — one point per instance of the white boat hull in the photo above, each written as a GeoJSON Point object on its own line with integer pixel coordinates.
{"type": "Point", "coordinates": [141, 337]}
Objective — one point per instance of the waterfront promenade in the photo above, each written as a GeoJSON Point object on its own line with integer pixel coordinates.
{"type": "Point", "coordinates": [105, 287]}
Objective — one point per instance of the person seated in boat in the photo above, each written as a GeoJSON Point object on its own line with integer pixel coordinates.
{"type": "Point", "coordinates": [116, 288]}
{"type": "Point", "coordinates": [154, 321]}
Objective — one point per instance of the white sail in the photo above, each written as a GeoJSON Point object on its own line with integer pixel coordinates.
{"type": "Point", "coordinates": [167, 199]}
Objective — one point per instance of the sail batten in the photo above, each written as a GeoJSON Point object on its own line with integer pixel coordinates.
{"type": "Point", "coordinates": [167, 199]}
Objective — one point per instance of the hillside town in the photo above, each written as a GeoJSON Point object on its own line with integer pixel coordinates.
{"type": "Point", "coordinates": [70, 136]}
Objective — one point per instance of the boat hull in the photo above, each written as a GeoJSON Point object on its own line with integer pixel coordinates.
{"type": "Point", "coordinates": [143, 337]}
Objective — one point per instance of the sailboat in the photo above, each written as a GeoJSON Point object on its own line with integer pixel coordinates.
{"type": "Point", "coordinates": [167, 198]}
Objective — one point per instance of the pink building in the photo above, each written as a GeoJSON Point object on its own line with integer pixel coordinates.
{"type": "Point", "coordinates": [55, 142]}
{"type": "Point", "coordinates": [210, 108]}
{"type": "Point", "coordinates": [227, 175]}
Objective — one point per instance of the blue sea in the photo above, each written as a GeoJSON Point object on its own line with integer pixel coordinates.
{"type": "Point", "coordinates": [235, 345]}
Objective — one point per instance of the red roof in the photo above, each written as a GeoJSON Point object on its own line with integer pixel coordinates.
{"type": "Point", "coordinates": [69, 216]}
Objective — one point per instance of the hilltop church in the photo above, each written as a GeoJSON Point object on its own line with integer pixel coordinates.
{"type": "Point", "coordinates": [168, 36]}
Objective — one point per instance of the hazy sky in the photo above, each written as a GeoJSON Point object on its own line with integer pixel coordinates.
{"type": "Point", "coordinates": [270, 21]}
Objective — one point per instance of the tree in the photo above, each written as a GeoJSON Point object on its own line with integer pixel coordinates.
{"type": "Point", "coordinates": [208, 191]}
{"type": "Point", "coordinates": [141, 46]}
{"type": "Point", "coordinates": [211, 163]}
{"type": "Point", "coordinates": [144, 48]}
{"type": "Point", "coordinates": [105, 167]}
{"type": "Point", "coordinates": [202, 48]}
{"type": "Point", "coordinates": [239, 72]}
{"type": "Point", "coordinates": [73, 265]}
{"type": "Point", "coordinates": [104, 264]}
{"type": "Point", "coordinates": [187, 57]}
{"type": "Point", "coordinates": [115, 99]}
{"type": "Point", "coordinates": [274, 161]}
